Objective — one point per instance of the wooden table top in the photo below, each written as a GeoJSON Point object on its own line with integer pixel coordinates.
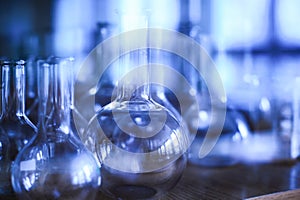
{"type": "Point", "coordinates": [236, 182]}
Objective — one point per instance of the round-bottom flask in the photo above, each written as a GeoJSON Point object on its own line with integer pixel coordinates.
{"type": "Point", "coordinates": [15, 126]}
{"type": "Point", "coordinates": [55, 164]}
{"type": "Point", "coordinates": [141, 147]}
{"type": "Point", "coordinates": [5, 162]}
{"type": "Point", "coordinates": [140, 144]}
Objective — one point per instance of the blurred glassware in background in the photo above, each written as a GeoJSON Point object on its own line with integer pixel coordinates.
{"type": "Point", "coordinates": [235, 24]}
{"type": "Point", "coordinates": [295, 136]}
{"type": "Point", "coordinates": [13, 122]}
{"type": "Point", "coordinates": [256, 78]}
{"type": "Point", "coordinates": [249, 91]}
{"type": "Point", "coordinates": [286, 28]}
{"type": "Point", "coordinates": [250, 98]}
{"type": "Point", "coordinates": [55, 164]}
{"type": "Point", "coordinates": [285, 121]}
{"type": "Point", "coordinates": [222, 153]}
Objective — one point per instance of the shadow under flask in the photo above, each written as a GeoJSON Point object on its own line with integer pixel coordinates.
{"type": "Point", "coordinates": [55, 164]}
{"type": "Point", "coordinates": [14, 123]}
{"type": "Point", "coordinates": [140, 144]}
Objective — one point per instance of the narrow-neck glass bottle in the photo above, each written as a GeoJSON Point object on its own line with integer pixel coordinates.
{"type": "Point", "coordinates": [5, 163]}
{"type": "Point", "coordinates": [158, 92]}
{"type": "Point", "coordinates": [13, 119]}
{"type": "Point", "coordinates": [140, 144]}
{"type": "Point", "coordinates": [5, 186]}
{"type": "Point", "coordinates": [31, 96]}
{"type": "Point", "coordinates": [55, 164]}
{"type": "Point", "coordinates": [16, 129]}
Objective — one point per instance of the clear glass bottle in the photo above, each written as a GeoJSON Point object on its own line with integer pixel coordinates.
{"type": "Point", "coordinates": [55, 164]}
{"type": "Point", "coordinates": [140, 144]}
{"type": "Point", "coordinates": [233, 129]}
{"type": "Point", "coordinates": [31, 95]}
{"type": "Point", "coordinates": [13, 119]}
{"type": "Point", "coordinates": [14, 123]}
{"type": "Point", "coordinates": [159, 93]}
{"type": "Point", "coordinates": [5, 162]}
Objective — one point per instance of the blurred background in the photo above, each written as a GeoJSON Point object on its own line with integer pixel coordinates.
{"type": "Point", "coordinates": [254, 44]}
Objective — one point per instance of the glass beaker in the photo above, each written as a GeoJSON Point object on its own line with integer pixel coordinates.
{"type": "Point", "coordinates": [55, 164]}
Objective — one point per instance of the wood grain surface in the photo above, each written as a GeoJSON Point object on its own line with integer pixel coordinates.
{"type": "Point", "coordinates": [290, 195]}
{"type": "Point", "coordinates": [237, 182]}
{"type": "Point", "coordinates": [257, 181]}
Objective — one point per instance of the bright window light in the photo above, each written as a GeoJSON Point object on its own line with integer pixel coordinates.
{"type": "Point", "coordinates": [287, 17]}
{"type": "Point", "coordinates": [240, 23]}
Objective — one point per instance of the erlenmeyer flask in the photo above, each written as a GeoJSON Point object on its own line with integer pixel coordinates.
{"type": "Point", "coordinates": [55, 164]}
{"type": "Point", "coordinates": [140, 144]}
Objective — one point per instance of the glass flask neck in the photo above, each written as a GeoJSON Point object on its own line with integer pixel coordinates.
{"type": "Point", "coordinates": [134, 86]}
{"type": "Point", "coordinates": [56, 96]}
{"type": "Point", "coordinates": [13, 86]}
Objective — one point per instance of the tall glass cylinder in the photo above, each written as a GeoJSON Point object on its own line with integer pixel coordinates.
{"type": "Point", "coordinates": [55, 164]}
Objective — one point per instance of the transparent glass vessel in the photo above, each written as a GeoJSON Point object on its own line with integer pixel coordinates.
{"type": "Point", "coordinates": [223, 125]}
{"type": "Point", "coordinates": [13, 119]}
{"type": "Point", "coordinates": [140, 144]}
{"type": "Point", "coordinates": [14, 123]}
{"type": "Point", "coordinates": [5, 162]}
{"type": "Point", "coordinates": [55, 164]}
{"type": "Point", "coordinates": [159, 93]}
{"type": "Point", "coordinates": [31, 96]}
